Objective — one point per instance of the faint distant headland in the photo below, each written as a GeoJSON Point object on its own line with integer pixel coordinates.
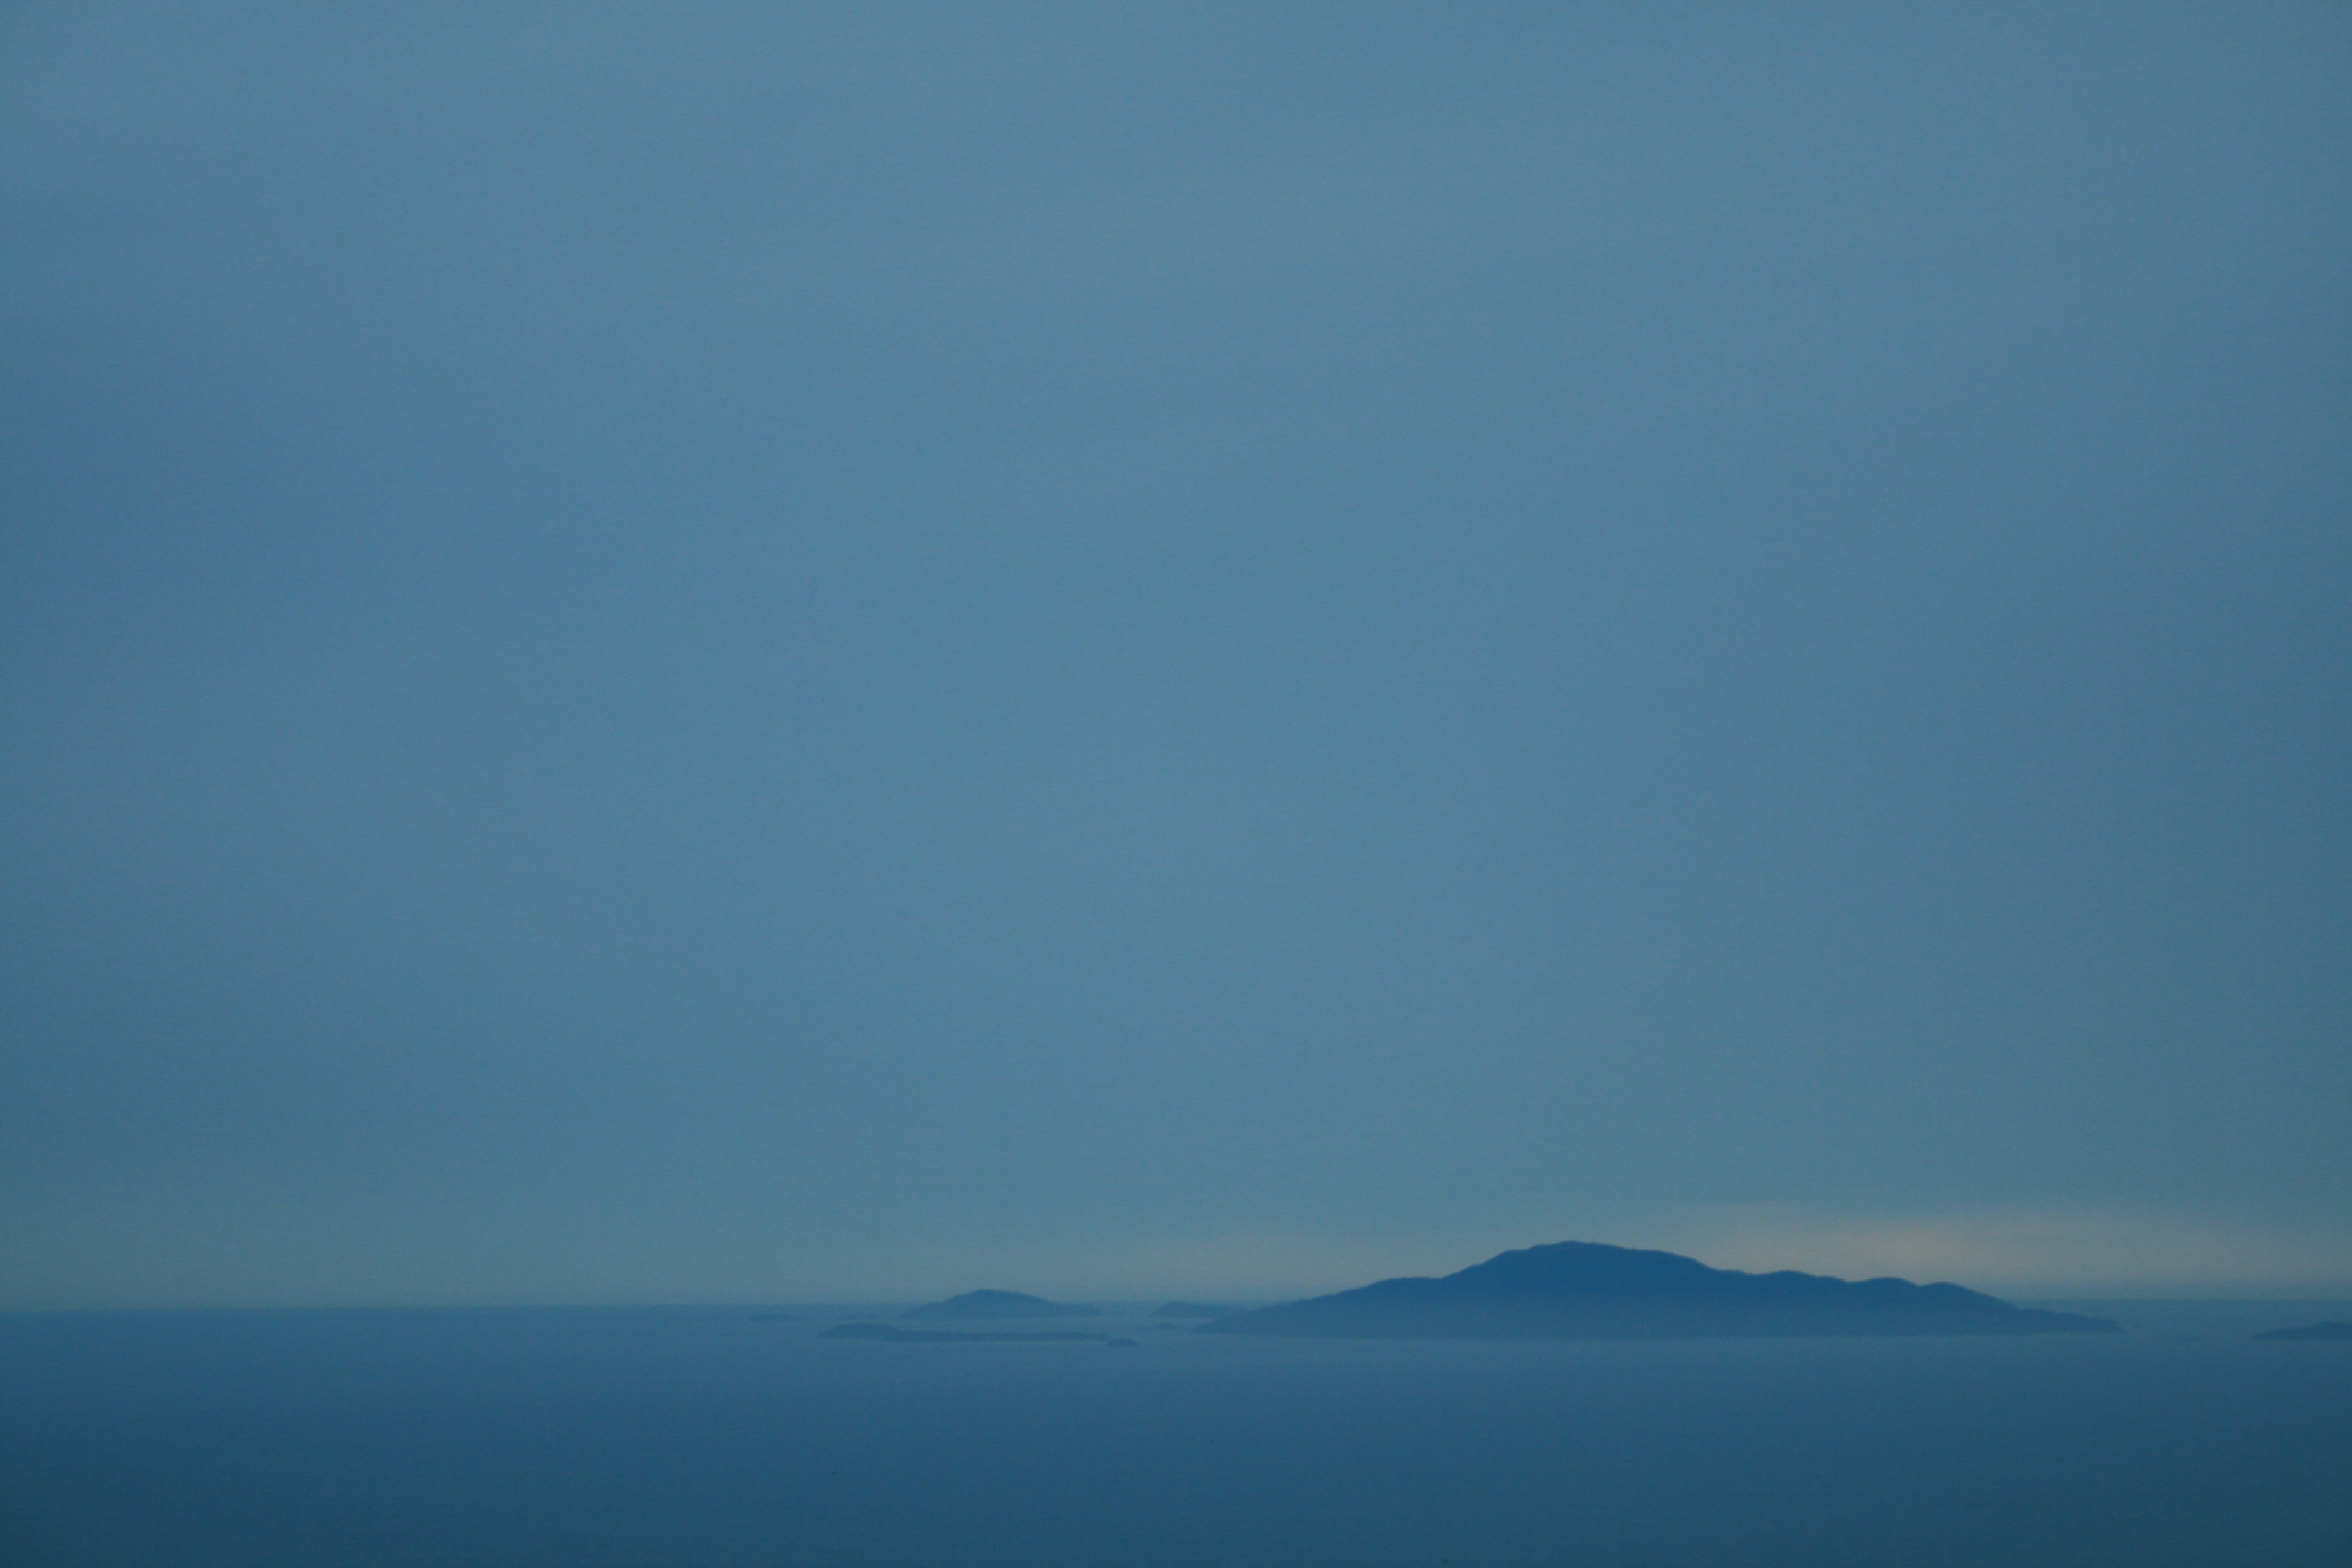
{"type": "Point", "coordinates": [1579, 1290]}
{"type": "Point", "coordinates": [998, 1304]}
{"type": "Point", "coordinates": [893, 1334]}
{"type": "Point", "coordinates": [2330, 1330]}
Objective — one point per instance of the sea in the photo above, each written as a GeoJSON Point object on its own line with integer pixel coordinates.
{"type": "Point", "coordinates": [702, 1436]}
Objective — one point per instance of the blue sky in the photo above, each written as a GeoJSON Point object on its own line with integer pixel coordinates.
{"type": "Point", "coordinates": [749, 651]}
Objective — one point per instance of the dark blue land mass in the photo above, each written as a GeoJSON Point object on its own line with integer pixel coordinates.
{"type": "Point", "coordinates": [1581, 1290]}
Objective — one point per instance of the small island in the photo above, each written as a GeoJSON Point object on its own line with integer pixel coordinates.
{"type": "Point", "coordinates": [1576, 1289]}
{"type": "Point", "coordinates": [999, 1304]}
{"type": "Point", "coordinates": [2326, 1331]}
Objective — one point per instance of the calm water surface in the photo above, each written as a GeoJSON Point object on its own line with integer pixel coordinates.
{"type": "Point", "coordinates": [694, 1438]}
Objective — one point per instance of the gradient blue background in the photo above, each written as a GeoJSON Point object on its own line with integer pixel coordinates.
{"type": "Point", "coordinates": [719, 652]}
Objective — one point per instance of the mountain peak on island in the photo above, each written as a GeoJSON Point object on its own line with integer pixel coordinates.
{"type": "Point", "coordinates": [1583, 1289]}
{"type": "Point", "coordinates": [999, 1304]}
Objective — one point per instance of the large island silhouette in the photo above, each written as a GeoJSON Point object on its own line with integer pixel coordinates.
{"type": "Point", "coordinates": [1581, 1290]}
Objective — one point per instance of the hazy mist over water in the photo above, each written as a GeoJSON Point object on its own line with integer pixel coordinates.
{"type": "Point", "coordinates": [694, 1439]}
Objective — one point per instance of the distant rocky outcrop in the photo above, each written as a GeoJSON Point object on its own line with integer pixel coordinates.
{"type": "Point", "coordinates": [999, 1304]}
{"type": "Point", "coordinates": [2326, 1331]}
{"type": "Point", "coordinates": [896, 1335]}
{"type": "Point", "coordinates": [1193, 1309]}
{"type": "Point", "coordinates": [1576, 1289]}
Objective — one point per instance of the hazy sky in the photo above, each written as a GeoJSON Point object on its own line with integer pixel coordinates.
{"type": "Point", "coordinates": [728, 652]}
